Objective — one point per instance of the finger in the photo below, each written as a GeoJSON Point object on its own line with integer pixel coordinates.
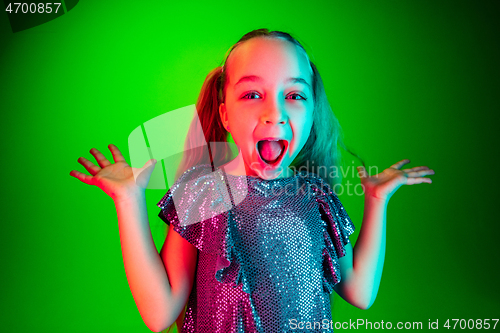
{"type": "Point", "coordinates": [400, 164]}
{"type": "Point", "coordinates": [420, 173]}
{"type": "Point", "coordinates": [117, 154]}
{"type": "Point", "coordinates": [81, 176]}
{"type": "Point", "coordinates": [412, 181]}
{"type": "Point", "coordinates": [416, 169]}
{"type": "Point", "coordinates": [362, 172]}
{"type": "Point", "coordinates": [100, 158]}
{"type": "Point", "coordinates": [89, 166]}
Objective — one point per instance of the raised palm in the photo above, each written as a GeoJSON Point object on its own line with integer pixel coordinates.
{"type": "Point", "coordinates": [116, 180]}
{"type": "Point", "coordinates": [383, 185]}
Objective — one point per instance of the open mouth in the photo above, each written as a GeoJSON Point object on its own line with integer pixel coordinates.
{"type": "Point", "coordinates": [271, 151]}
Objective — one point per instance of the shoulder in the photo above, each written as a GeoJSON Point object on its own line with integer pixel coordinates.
{"type": "Point", "coordinates": [197, 195]}
{"type": "Point", "coordinates": [187, 178]}
{"type": "Point", "coordinates": [317, 184]}
{"type": "Point", "coordinates": [329, 203]}
{"type": "Point", "coordinates": [194, 172]}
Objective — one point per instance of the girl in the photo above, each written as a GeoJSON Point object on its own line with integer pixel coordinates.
{"type": "Point", "coordinates": [258, 243]}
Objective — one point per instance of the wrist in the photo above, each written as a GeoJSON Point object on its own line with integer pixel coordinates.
{"type": "Point", "coordinates": [128, 196]}
{"type": "Point", "coordinates": [374, 200]}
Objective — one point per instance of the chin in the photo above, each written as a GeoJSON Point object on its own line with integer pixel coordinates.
{"type": "Point", "coordinates": [268, 172]}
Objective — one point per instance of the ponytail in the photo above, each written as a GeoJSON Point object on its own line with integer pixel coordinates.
{"type": "Point", "coordinates": [206, 129]}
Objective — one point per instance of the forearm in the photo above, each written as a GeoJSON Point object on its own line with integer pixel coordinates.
{"type": "Point", "coordinates": [144, 268]}
{"type": "Point", "coordinates": [369, 252]}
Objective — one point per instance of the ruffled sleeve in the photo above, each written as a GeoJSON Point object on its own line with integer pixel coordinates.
{"type": "Point", "coordinates": [337, 229]}
{"type": "Point", "coordinates": [198, 206]}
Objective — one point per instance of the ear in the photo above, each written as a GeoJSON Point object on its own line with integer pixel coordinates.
{"type": "Point", "coordinates": [223, 116]}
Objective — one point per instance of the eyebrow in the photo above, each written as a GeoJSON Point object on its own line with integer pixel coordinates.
{"type": "Point", "coordinates": [255, 78]}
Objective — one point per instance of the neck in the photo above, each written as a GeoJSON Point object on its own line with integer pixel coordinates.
{"type": "Point", "coordinates": [237, 167]}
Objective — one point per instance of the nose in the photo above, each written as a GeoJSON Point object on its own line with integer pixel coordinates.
{"type": "Point", "coordinates": [274, 113]}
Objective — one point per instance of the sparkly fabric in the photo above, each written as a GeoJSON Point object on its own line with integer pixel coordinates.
{"type": "Point", "coordinates": [268, 249]}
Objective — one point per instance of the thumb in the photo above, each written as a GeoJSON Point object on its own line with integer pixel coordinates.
{"type": "Point", "coordinates": [143, 174]}
{"type": "Point", "coordinates": [362, 172]}
{"type": "Point", "coordinates": [149, 166]}
{"type": "Point", "coordinates": [149, 163]}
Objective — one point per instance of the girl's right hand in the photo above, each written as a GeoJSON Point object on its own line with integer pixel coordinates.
{"type": "Point", "coordinates": [118, 180]}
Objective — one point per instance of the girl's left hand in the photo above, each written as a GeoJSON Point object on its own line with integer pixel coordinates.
{"type": "Point", "coordinates": [383, 185]}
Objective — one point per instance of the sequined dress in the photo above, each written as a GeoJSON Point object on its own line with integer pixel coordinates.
{"type": "Point", "coordinates": [268, 249]}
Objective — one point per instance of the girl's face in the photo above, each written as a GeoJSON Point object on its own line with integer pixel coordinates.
{"type": "Point", "coordinates": [268, 95]}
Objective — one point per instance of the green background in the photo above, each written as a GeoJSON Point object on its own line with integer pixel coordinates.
{"type": "Point", "coordinates": [406, 79]}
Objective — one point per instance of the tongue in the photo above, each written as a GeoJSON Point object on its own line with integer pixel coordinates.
{"type": "Point", "coordinates": [270, 150]}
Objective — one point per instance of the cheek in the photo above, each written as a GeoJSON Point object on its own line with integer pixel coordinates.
{"type": "Point", "coordinates": [240, 121]}
{"type": "Point", "coordinates": [306, 122]}
{"type": "Point", "coordinates": [309, 123]}
{"type": "Point", "coordinates": [241, 131]}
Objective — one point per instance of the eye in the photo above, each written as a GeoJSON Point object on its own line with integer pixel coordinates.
{"type": "Point", "coordinates": [295, 96]}
{"type": "Point", "coordinates": [251, 95]}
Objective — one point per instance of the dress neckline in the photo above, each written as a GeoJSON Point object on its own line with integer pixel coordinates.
{"type": "Point", "coordinates": [258, 179]}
